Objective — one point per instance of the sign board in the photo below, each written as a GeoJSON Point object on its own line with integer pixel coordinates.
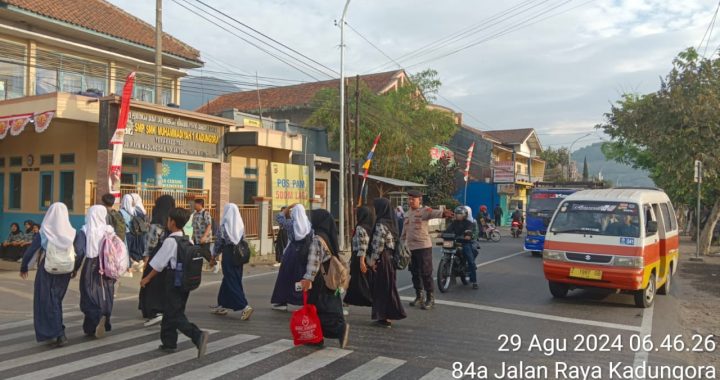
{"type": "Point", "coordinates": [290, 184]}
{"type": "Point", "coordinates": [251, 123]}
{"type": "Point", "coordinates": [504, 172]}
{"type": "Point", "coordinates": [148, 172]}
{"type": "Point", "coordinates": [698, 174]}
{"type": "Point", "coordinates": [174, 174]}
{"type": "Point", "coordinates": [440, 152]}
{"type": "Point", "coordinates": [508, 188]}
{"type": "Point", "coordinates": [155, 134]}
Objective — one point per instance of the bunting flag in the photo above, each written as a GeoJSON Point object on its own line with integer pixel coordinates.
{"type": "Point", "coordinates": [118, 138]}
{"type": "Point", "coordinates": [14, 124]}
{"type": "Point", "coordinates": [42, 120]}
{"type": "Point", "coordinates": [366, 166]}
{"type": "Point", "coordinates": [468, 161]}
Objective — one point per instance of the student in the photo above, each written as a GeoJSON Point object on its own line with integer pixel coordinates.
{"type": "Point", "coordinates": [50, 289]}
{"type": "Point", "coordinates": [152, 296]}
{"type": "Point", "coordinates": [360, 290]}
{"type": "Point", "coordinates": [12, 249]}
{"type": "Point", "coordinates": [136, 242]}
{"type": "Point", "coordinates": [163, 266]}
{"type": "Point", "coordinates": [114, 218]}
{"type": "Point", "coordinates": [294, 258]}
{"type": "Point", "coordinates": [96, 291]}
{"type": "Point", "coordinates": [127, 211]}
{"type": "Point", "coordinates": [231, 296]}
{"type": "Point", "coordinates": [29, 234]}
{"type": "Point", "coordinates": [202, 225]}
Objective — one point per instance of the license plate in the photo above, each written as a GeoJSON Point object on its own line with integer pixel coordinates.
{"type": "Point", "coordinates": [590, 274]}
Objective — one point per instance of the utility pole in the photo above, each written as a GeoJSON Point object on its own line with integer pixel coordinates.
{"type": "Point", "coordinates": [356, 177]}
{"type": "Point", "coordinates": [342, 126]}
{"type": "Point", "coordinates": [698, 179]}
{"type": "Point", "coordinates": [158, 51]}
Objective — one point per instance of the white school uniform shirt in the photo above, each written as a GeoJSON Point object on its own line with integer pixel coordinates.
{"type": "Point", "coordinates": [167, 255]}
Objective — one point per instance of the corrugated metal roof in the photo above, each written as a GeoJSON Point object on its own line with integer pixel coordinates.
{"type": "Point", "coordinates": [394, 181]}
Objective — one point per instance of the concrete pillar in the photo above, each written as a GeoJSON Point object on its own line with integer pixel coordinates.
{"type": "Point", "coordinates": [31, 71]}
{"type": "Point", "coordinates": [104, 157]}
{"type": "Point", "coordinates": [263, 204]}
{"type": "Point", "coordinates": [220, 193]}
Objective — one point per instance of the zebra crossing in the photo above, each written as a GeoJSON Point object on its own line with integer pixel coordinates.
{"type": "Point", "coordinates": [130, 351]}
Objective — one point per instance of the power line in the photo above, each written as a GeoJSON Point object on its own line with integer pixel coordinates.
{"type": "Point", "coordinates": [373, 45]}
{"type": "Point", "coordinates": [709, 29]}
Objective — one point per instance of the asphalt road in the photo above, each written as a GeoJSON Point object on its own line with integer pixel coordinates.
{"type": "Point", "coordinates": [467, 327]}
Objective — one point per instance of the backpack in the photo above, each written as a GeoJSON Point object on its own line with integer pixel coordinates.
{"type": "Point", "coordinates": [114, 260]}
{"type": "Point", "coordinates": [241, 253]}
{"type": "Point", "coordinates": [337, 275]}
{"type": "Point", "coordinates": [189, 263]}
{"type": "Point", "coordinates": [401, 256]}
{"type": "Point", "coordinates": [58, 261]}
{"type": "Point", "coordinates": [139, 225]}
{"type": "Point", "coordinates": [116, 220]}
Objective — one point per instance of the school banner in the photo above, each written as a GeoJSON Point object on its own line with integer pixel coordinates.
{"type": "Point", "coordinates": [174, 174]}
{"type": "Point", "coordinates": [290, 184]}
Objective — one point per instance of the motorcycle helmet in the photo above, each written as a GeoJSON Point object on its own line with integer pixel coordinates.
{"type": "Point", "coordinates": [483, 208]}
{"type": "Point", "coordinates": [460, 211]}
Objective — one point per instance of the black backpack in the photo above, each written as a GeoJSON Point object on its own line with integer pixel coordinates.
{"type": "Point", "coordinates": [139, 225]}
{"type": "Point", "coordinates": [188, 271]}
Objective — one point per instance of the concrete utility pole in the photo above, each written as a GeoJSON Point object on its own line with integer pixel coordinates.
{"type": "Point", "coordinates": [158, 51]}
{"type": "Point", "coordinates": [342, 127]}
{"type": "Point", "coordinates": [570, 152]}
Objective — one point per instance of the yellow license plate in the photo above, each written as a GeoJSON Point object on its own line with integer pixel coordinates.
{"type": "Point", "coordinates": [590, 274]}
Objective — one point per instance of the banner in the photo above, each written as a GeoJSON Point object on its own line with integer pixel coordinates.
{"type": "Point", "coordinates": [118, 138]}
{"type": "Point", "coordinates": [15, 124]}
{"type": "Point", "coordinates": [42, 121]}
{"type": "Point", "coordinates": [148, 175]}
{"type": "Point", "coordinates": [504, 172]}
{"type": "Point", "coordinates": [469, 161]}
{"type": "Point", "coordinates": [174, 175]}
{"type": "Point", "coordinates": [290, 184]}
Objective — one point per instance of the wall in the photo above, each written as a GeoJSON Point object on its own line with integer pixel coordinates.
{"type": "Point", "coordinates": [253, 157]}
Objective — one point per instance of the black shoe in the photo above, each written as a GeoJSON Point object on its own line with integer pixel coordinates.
{"type": "Point", "coordinates": [383, 323]}
{"type": "Point", "coordinates": [166, 349]}
{"type": "Point", "coordinates": [345, 335]}
{"type": "Point", "coordinates": [429, 302]}
{"type": "Point", "coordinates": [202, 344]}
{"type": "Point", "coordinates": [475, 285]}
{"type": "Point", "coordinates": [418, 301]}
{"type": "Point", "coordinates": [60, 341]}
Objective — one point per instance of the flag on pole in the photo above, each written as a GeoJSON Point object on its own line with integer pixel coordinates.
{"type": "Point", "coordinates": [468, 161]}
{"type": "Point", "coordinates": [118, 138]}
{"type": "Point", "coordinates": [366, 166]}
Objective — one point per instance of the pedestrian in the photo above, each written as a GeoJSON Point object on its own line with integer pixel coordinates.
{"type": "Point", "coordinates": [97, 292]}
{"type": "Point", "coordinates": [137, 229]}
{"type": "Point", "coordinates": [360, 291]}
{"type": "Point", "coordinates": [328, 302]}
{"type": "Point", "coordinates": [29, 234]}
{"type": "Point", "coordinates": [294, 259]}
{"type": "Point", "coordinates": [152, 296]}
{"type": "Point", "coordinates": [127, 211]}
{"type": "Point", "coordinates": [163, 265]}
{"type": "Point", "coordinates": [50, 289]}
{"type": "Point", "coordinates": [12, 247]}
{"type": "Point", "coordinates": [497, 215]}
{"type": "Point", "coordinates": [417, 238]}
{"type": "Point", "coordinates": [202, 225]}
{"type": "Point", "coordinates": [386, 306]}
{"type": "Point", "coordinates": [231, 296]}
{"type": "Point", "coordinates": [114, 218]}
{"type": "Point", "coordinates": [283, 236]}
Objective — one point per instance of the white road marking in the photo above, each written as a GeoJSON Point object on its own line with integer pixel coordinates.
{"type": "Point", "coordinates": [306, 365]}
{"type": "Point", "coordinates": [438, 374]}
{"type": "Point", "coordinates": [25, 333]}
{"type": "Point", "coordinates": [237, 362]}
{"type": "Point", "coordinates": [170, 360]}
{"type": "Point", "coordinates": [549, 317]}
{"type": "Point", "coordinates": [476, 266]}
{"type": "Point", "coordinates": [645, 330]}
{"type": "Point", "coordinates": [29, 321]}
{"type": "Point", "coordinates": [374, 369]}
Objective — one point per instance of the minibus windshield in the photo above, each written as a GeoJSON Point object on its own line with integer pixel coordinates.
{"type": "Point", "coordinates": [598, 218]}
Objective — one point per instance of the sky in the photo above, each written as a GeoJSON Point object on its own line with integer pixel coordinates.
{"type": "Point", "coordinates": [552, 65]}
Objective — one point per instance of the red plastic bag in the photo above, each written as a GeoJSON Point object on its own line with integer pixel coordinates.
{"type": "Point", "coordinates": [305, 324]}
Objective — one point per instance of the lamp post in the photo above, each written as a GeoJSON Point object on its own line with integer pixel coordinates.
{"type": "Point", "coordinates": [570, 151]}
{"type": "Point", "coordinates": [342, 127]}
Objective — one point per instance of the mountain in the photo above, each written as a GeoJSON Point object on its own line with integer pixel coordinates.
{"type": "Point", "coordinates": [196, 91]}
{"type": "Point", "coordinates": [619, 174]}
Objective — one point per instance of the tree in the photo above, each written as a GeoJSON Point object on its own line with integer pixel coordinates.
{"type": "Point", "coordinates": [555, 161]}
{"type": "Point", "coordinates": [428, 83]}
{"type": "Point", "coordinates": [440, 179]}
{"type": "Point", "coordinates": [586, 172]}
{"type": "Point", "coordinates": [665, 131]}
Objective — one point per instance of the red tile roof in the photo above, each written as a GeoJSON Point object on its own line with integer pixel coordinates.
{"type": "Point", "coordinates": [103, 17]}
{"type": "Point", "coordinates": [295, 96]}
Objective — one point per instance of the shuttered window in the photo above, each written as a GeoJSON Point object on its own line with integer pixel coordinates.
{"type": "Point", "coordinates": [12, 70]}
{"type": "Point", "coordinates": [144, 88]}
{"type": "Point", "coordinates": [62, 72]}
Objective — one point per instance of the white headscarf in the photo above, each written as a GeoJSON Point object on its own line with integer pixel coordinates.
{"type": "Point", "coordinates": [301, 223]}
{"type": "Point", "coordinates": [138, 203]}
{"type": "Point", "coordinates": [56, 226]}
{"type": "Point", "coordinates": [232, 223]}
{"type": "Point", "coordinates": [127, 204]}
{"type": "Point", "coordinates": [95, 229]}
{"type": "Point", "coordinates": [469, 214]}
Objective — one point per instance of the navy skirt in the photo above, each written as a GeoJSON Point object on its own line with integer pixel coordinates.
{"type": "Point", "coordinates": [292, 270]}
{"type": "Point", "coordinates": [231, 295]}
{"type": "Point", "coordinates": [97, 293]}
{"type": "Point", "coordinates": [50, 290]}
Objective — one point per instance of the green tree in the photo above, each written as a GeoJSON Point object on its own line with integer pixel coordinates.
{"type": "Point", "coordinates": [428, 83]}
{"type": "Point", "coordinates": [440, 179]}
{"type": "Point", "coordinates": [665, 131]}
{"type": "Point", "coordinates": [555, 162]}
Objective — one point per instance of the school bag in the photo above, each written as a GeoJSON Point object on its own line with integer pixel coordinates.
{"type": "Point", "coordinates": [58, 261]}
{"type": "Point", "coordinates": [240, 253]}
{"type": "Point", "coordinates": [113, 256]}
{"type": "Point", "coordinates": [189, 263]}
{"type": "Point", "coordinates": [401, 256]}
{"type": "Point", "coordinates": [305, 324]}
{"type": "Point", "coordinates": [139, 225]}
{"type": "Point", "coordinates": [337, 274]}
{"type": "Point", "coordinates": [116, 220]}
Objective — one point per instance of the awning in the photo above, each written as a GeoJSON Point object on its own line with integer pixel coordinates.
{"type": "Point", "coordinates": [393, 181]}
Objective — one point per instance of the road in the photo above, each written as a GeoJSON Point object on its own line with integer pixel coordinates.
{"type": "Point", "coordinates": [466, 327]}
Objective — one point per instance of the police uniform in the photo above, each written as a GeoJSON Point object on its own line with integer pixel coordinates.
{"type": "Point", "coordinates": [417, 239]}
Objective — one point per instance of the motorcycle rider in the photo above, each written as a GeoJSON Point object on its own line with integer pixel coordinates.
{"type": "Point", "coordinates": [462, 227]}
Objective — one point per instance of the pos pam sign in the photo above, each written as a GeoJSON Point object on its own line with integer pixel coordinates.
{"type": "Point", "coordinates": [290, 184]}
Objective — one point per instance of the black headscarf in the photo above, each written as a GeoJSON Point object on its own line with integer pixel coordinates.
{"type": "Point", "coordinates": [162, 208]}
{"type": "Point", "coordinates": [385, 215]}
{"type": "Point", "coordinates": [365, 218]}
{"type": "Point", "coordinates": [29, 229]}
{"type": "Point", "coordinates": [323, 224]}
{"type": "Point", "coordinates": [17, 226]}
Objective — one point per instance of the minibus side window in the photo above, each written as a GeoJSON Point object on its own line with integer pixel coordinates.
{"type": "Point", "coordinates": [649, 217]}
{"type": "Point", "coordinates": [663, 224]}
{"type": "Point", "coordinates": [668, 218]}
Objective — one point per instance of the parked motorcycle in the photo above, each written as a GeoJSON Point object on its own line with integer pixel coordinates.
{"type": "Point", "coordinates": [516, 229]}
{"type": "Point", "coordinates": [491, 233]}
{"type": "Point", "coordinates": [452, 264]}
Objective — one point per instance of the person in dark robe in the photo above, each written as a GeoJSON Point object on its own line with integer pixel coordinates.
{"type": "Point", "coordinates": [50, 289]}
{"type": "Point", "coordinates": [386, 305]}
{"type": "Point", "coordinates": [294, 259]}
{"type": "Point", "coordinates": [359, 291]}
{"type": "Point", "coordinates": [328, 302]}
{"type": "Point", "coordinates": [231, 296]}
{"type": "Point", "coordinates": [12, 248]}
{"type": "Point", "coordinates": [136, 242]}
{"type": "Point", "coordinates": [151, 301]}
{"type": "Point", "coordinates": [97, 292]}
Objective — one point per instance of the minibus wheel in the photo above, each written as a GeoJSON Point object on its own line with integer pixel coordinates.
{"type": "Point", "coordinates": [665, 289]}
{"type": "Point", "coordinates": [558, 290]}
{"type": "Point", "coordinates": [644, 298]}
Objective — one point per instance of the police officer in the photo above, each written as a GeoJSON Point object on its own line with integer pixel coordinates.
{"type": "Point", "coordinates": [417, 239]}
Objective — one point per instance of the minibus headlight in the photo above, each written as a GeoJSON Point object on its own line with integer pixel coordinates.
{"type": "Point", "coordinates": [549, 254]}
{"type": "Point", "coordinates": [629, 261]}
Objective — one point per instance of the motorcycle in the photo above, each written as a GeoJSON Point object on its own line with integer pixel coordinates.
{"type": "Point", "coordinates": [491, 233]}
{"type": "Point", "coordinates": [452, 264]}
{"type": "Point", "coordinates": [516, 228]}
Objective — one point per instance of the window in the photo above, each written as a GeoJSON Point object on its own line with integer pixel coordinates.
{"type": "Point", "coordinates": [668, 220]}
{"type": "Point", "coordinates": [249, 192]}
{"type": "Point", "coordinates": [251, 172]}
{"type": "Point", "coordinates": [15, 161]}
{"type": "Point", "coordinates": [62, 72]}
{"type": "Point", "coordinates": [597, 218]}
{"type": "Point", "coordinates": [196, 166]}
{"type": "Point", "coordinates": [130, 161]}
{"type": "Point", "coordinates": [673, 217]}
{"type": "Point", "coordinates": [67, 189]}
{"type": "Point", "coordinates": [12, 70]}
{"type": "Point", "coordinates": [67, 158]}
{"type": "Point", "coordinates": [47, 159]}
{"type": "Point", "coordinates": [144, 88]}
{"type": "Point", "coordinates": [15, 190]}
{"type": "Point", "coordinates": [194, 183]}
{"type": "Point", "coordinates": [46, 190]}
{"type": "Point", "coordinates": [2, 162]}
{"type": "Point", "coordinates": [128, 178]}
{"type": "Point", "coordinates": [45, 81]}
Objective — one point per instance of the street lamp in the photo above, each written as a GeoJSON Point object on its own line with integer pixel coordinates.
{"type": "Point", "coordinates": [342, 127]}
{"type": "Point", "coordinates": [570, 151]}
